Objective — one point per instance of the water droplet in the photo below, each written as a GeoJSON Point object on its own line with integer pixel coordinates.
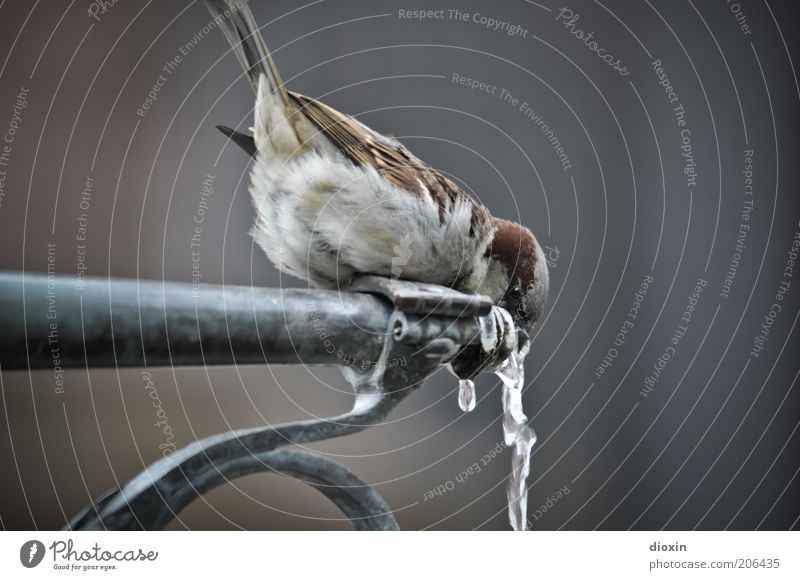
{"type": "Point", "coordinates": [466, 395]}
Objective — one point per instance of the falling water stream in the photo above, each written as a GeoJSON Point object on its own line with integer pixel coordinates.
{"type": "Point", "coordinates": [516, 431]}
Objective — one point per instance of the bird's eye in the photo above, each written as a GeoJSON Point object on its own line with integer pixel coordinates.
{"type": "Point", "coordinates": [515, 293]}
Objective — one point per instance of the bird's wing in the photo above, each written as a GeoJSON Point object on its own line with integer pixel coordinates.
{"type": "Point", "coordinates": [358, 142]}
{"type": "Point", "coordinates": [398, 165]}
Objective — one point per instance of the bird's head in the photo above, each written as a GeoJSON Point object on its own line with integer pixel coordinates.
{"type": "Point", "coordinates": [512, 271]}
{"type": "Point", "coordinates": [516, 274]}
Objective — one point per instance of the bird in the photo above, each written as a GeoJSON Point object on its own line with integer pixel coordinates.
{"type": "Point", "coordinates": [334, 198]}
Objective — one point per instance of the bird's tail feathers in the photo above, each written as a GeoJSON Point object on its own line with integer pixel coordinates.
{"type": "Point", "coordinates": [239, 26]}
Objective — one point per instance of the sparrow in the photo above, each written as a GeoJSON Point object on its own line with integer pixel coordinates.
{"type": "Point", "coordinates": [334, 198]}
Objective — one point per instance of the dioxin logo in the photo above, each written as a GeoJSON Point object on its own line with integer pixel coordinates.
{"type": "Point", "coordinates": [31, 553]}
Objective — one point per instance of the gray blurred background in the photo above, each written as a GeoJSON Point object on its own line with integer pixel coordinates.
{"type": "Point", "coordinates": [714, 443]}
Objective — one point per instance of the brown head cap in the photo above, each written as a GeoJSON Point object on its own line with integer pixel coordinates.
{"type": "Point", "coordinates": [515, 247]}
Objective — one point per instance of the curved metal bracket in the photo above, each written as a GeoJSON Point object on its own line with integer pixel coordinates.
{"type": "Point", "coordinates": [365, 509]}
{"type": "Point", "coordinates": [428, 327]}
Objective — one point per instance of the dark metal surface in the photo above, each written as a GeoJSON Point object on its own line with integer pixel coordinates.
{"type": "Point", "coordinates": [419, 298]}
{"type": "Point", "coordinates": [130, 323]}
{"type": "Point", "coordinates": [377, 323]}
